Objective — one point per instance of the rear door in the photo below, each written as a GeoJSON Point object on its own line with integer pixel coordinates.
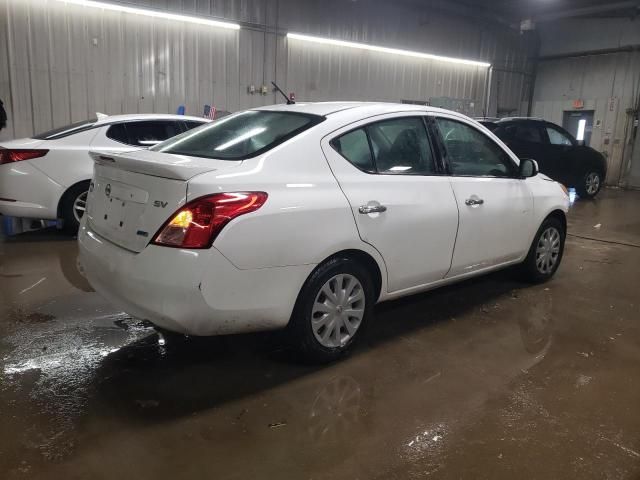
{"type": "Point", "coordinates": [496, 207]}
{"type": "Point", "coordinates": [402, 203]}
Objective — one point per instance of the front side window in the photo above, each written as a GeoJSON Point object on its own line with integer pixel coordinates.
{"type": "Point", "coordinates": [240, 136]}
{"type": "Point", "coordinates": [472, 153]}
{"type": "Point", "coordinates": [556, 137]}
{"type": "Point", "coordinates": [394, 146]}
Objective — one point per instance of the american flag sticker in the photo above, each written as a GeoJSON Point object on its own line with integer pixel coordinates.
{"type": "Point", "coordinates": [209, 112]}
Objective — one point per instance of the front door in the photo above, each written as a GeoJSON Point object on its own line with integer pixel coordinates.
{"type": "Point", "coordinates": [496, 207]}
{"type": "Point", "coordinates": [402, 203]}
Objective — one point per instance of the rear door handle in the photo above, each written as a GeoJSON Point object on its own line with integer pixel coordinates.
{"type": "Point", "coordinates": [473, 201]}
{"type": "Point", "coordinates": [366, 209]}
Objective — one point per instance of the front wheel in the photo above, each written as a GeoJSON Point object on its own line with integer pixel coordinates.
{"type": "Point", "coordinates": [590, 185]}
{"type": "Point", "coordinates": [545, 253]}
{"type": "Point", "coordinates": [333, 306]}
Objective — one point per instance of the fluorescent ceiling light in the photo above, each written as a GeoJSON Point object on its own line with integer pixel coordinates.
{"type": "Point", "coordinates": [153, 13]}
{"type": "Point", "coordinates": [394, 51]}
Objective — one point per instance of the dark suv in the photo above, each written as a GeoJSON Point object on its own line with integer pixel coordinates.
{"type": "Point", "coordinates": [559, 155]}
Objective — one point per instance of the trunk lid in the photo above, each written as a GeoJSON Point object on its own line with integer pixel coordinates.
{"type": "Point", "coordinates": [21, 143]}
{"type": "Point", "coordinates": [134, 194]}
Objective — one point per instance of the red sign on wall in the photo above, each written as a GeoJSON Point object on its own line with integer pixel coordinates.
{"type": "Point", "coordinates": [578, 103]}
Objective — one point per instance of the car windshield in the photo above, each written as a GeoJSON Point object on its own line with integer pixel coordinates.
{"type": "Point", "coordinates": [61, 132]}
{"type": "Point", "coordinates": [239, 136]}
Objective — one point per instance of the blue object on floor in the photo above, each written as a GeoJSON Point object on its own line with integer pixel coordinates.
{"type": "Point", "coordinates": [8, 226]}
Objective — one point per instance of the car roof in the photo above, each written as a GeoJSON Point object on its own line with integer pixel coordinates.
{"type": "Point", "coordinates": [107, 119]}
{"type": "Point", "coordinates": [329, 108]}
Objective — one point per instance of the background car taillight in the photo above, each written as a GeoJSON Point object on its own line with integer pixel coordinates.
{"type": "Point", "coordinates": [198, 223]}
{"type": "Point", "coordinates": [10, 155]}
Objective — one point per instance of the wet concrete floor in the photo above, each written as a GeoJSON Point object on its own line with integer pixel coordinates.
{"type": "Point", "coordinates": [490, 379]}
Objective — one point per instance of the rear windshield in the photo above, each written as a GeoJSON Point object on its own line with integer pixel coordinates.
{"type": "Point", "coordinates": [239, 136]}
{"type": "Point", "coordinates": [67, 130]}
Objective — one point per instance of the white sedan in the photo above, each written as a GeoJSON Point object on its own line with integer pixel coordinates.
{"type": "Point", "coordinates": [47, 176]}
{"type": "Point", "coordinates": [304, 216]}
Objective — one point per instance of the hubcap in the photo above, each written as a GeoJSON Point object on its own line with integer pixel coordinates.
{"type": "Point", "coordinates": [592, 183]}
{"type": "Point", "coordinates": [80, 205]}
{"type": "Point", "coordinates": [338, 310]}
{"type": "Point", "coordinates": [548, 250]}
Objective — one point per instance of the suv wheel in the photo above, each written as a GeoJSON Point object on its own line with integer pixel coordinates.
{"type": "Point", "coordinates": [590, 185]}
{"type": "Point", "coordinates": [332, 310]}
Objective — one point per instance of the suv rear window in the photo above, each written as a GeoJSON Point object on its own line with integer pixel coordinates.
{"type": "Point", "coordinates": [240, 136]}
{"type": "Point", "coordinates": [67, 130]}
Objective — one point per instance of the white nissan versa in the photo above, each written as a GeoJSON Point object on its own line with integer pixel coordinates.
{"type": "Point", "coordinates": [304, 216]}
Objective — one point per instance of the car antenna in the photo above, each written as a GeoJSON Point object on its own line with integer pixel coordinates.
{"type": "Point", "coordinates": [289, 101]}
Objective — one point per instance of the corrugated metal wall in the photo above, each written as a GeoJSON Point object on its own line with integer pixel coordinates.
{"type": "Point", "coordinates": [61, 63]}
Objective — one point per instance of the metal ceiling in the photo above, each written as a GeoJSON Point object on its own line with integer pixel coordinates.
{"type": "Point", "coordinates": [550, 10]}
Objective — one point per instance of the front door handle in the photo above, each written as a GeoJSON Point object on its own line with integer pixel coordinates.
{"type": "Point", "coordinates": [365, 209]}
{"type": "Point", "coordinates": [473, 201]}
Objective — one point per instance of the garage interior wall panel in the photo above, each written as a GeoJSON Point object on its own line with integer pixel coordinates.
{"type": "Point", "coordinates": [62, 63]}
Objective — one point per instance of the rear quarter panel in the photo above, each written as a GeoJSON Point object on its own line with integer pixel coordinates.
{"type": "Point", "coordinates": [306, 217]}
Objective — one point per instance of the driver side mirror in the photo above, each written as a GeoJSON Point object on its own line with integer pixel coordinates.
{"type": "Point", "coordinates": [528, 168]}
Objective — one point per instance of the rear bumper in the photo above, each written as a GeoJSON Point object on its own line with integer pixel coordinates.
{"type": "Point", "coordinates": [27, 192]}
{"type": "Point", "coordinates": [196, 292]}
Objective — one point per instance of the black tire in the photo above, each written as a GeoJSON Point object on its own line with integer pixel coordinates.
{"type": "Point", "coordinates": [585, 189]}
{"type": "Point", "coordinates": [300, 334]}
{"type": "Point", "coordinates": [530, 268]}
{"type": "Point", "coordinates": [70, 222]}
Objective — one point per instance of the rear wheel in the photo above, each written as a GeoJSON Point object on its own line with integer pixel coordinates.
{"type": "Point", "coordinates": [74, 205]}
{"type": "Point", "coordinates": [332, 309]}
{"type": "Point", "coordinates": [590, 185]}
{"type": "Point", "coordinates": [545, 253]}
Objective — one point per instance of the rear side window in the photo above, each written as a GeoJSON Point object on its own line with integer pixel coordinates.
{"type": "Point", "coordinates": [144, 133]}
{"type": "Point", "coordinates": [401, 145]}
{"type": "Point", "coordinates": [395, 146]}
{"type": "Point", "coordinates": [67, 130]}
{"type": "Point", "coordinates": [472, 153]}
{"type": "Point", "coordinates": [118, 133]}
{"type": "Point", "coordinates": [354, 146]}
{"type": "Point", "coordinates": [240, 136]}
{"type": "Point", "coordinates": [192, 124]}
{"type": "Point", "coordinates": [148, 134]}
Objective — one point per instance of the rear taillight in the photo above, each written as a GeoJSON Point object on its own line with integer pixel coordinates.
{"type": "Point", "coordinates": [198, 223]}
{"type": "Point", "coordinates": [10, 155]}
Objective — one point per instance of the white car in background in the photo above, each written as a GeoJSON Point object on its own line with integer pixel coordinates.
{"type": "Point", "coordinates": [47, 176]}
{"type": "Point", "coordinates": [304, 216]}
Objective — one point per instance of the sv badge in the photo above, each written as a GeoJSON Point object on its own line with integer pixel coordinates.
{"type": "Point", "coordinates": [160, 204]}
